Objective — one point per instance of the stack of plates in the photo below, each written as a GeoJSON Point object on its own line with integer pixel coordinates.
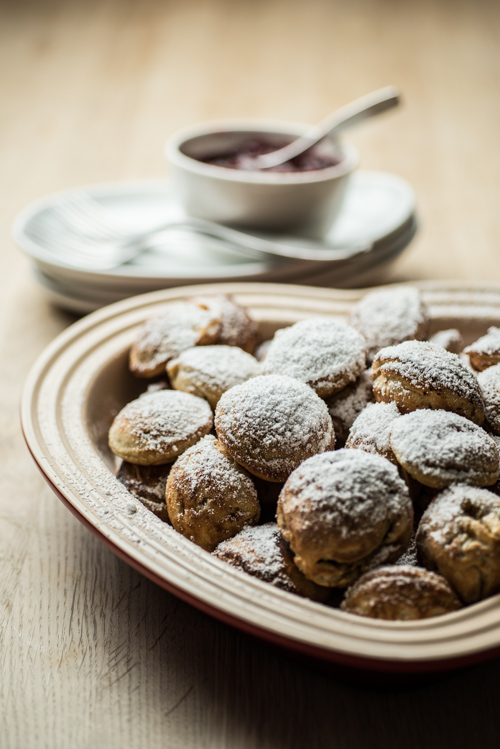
{"type": "Point", "coordinates": [378, 210]}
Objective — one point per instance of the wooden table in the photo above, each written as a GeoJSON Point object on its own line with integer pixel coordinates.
{"type": "Point", "coordinates": [92, 654]}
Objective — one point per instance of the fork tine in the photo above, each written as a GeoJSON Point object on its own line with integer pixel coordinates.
{"type": "Point", "coordinates": [77, 216]}
{"type": "Point", "coordinates": [66, 243]}
{"type": "Point", "coordinates": [104, 216]}
{"type": "Point", "coordinates": [80, 257]}
{"type": "Point", "coordinates": [70, 235]}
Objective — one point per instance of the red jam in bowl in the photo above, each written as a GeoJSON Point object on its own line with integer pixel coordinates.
{"type": "Point", "coordinates": [244, 157]}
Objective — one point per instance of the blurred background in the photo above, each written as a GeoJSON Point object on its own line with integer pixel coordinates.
{"type": "Point", "coordinates": [89, 91]}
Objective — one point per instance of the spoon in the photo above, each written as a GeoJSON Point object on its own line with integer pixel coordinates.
{"type": "Point", "coordinates": [350, 114]}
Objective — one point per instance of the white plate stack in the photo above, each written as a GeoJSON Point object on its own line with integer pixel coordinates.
{"type": "Point", "coordinates": [379, 211]}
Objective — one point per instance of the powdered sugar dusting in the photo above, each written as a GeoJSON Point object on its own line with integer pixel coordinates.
{"type": "Point", "coordinates": [236, 326]}
{"type": "Point", "coordinates": [444, 447]}
{"type": "Point", "coordinates": [262, 349]}
{"type": "Point", "coordinates": [344, 407]}
{"type": "Point", "coordinates": [349, 490]}
{"type": "Point", "coordinates": [389, 316]}
{"type": "Point", "coordinates": [489, 382]}
{"type": "Point", "coordinates": [317, 351]}
{"type": "Point", "coordinates": [449, 339]}
{"type": "Point", "coordinates": [276, 411]}
{"type": "Point", "coordinates": [216, 368]}
{"type": "Point", "coordinates": [165, 336]}
{"type": "Point", "coordinates": [400, 592]}
{"type": "Point", "coordinates": [204, 465]}
{"type": "Point", "coordinates": [371, 431]}
{"type": "Point", "coordinates": [442, 519]}
{"type": "Point", "coordinates": [145, 482]}
{"type": "Point", "coordinates": [163, 418]}
{"type": "Point", "coordinates": [425, 365]}
{"type": "Point", "coordinates": [258, 551]}
{"type": "Point", "coordinates": [409, 558]}
{"type": "Point", "coordinates": [488, 344]}
{"type": "Point", "coordinates": [271, 423]}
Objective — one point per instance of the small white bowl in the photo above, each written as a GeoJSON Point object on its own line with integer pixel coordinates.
{"type": "Point", "coordinates": [304, 202]}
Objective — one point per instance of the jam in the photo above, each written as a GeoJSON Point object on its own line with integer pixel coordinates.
{"type": "Point", "coordinates": [244, 157]}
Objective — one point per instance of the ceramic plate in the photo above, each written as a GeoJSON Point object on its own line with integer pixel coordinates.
{"type": "Point", "coordinates": [378, 210]}
{"type": "Point", "coordinates": [81, 381]}
{"type": "Point", "coordinates": [83, 298]}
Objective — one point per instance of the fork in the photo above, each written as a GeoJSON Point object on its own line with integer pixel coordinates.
{"type": "Point", "coordinates": [93, 238]}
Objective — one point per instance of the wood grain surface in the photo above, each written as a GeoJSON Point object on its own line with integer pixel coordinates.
{"type": "Point", "coordinates": [91, 653]}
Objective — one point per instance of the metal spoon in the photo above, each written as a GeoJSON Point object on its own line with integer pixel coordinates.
{"type": "Point", "coordinates": [350, 114]}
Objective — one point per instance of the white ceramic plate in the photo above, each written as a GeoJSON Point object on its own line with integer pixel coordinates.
{"type": "Point", "coordinates": [379, 209]}
{"type": "Point", "coordinates": [79, 383]}
{"type": "Point", "coordinates": [83, 298]}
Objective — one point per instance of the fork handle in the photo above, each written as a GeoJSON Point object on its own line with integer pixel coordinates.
{"type": "Point", "coordinates": [255, 246]}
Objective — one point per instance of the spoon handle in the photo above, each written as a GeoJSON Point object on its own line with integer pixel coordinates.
{"type": "Point", "coordinates": [356, 111]}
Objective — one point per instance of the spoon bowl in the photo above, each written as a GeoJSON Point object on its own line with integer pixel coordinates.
{"type": "Point", "coordinates": [347, 116]}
